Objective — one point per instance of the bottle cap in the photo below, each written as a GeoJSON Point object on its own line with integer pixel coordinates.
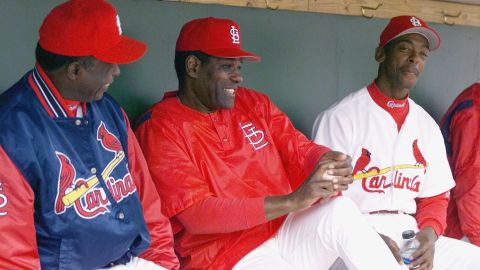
{"type": "Point", "coordinates": [409, 234]}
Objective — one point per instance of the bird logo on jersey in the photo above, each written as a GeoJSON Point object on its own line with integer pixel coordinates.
{"type": "Point", "coordinates": [108, 140]}
{"type": "Point", "coordinates": [65, 181]}
{"type": "Point", "coordinates": [86, 196]}
{"type": "Point", "coordinates": [398, 176]}
{"type": "Point", "coordinates": [420, 160]}
{"type": "Point", "coordinates": [362, 162]}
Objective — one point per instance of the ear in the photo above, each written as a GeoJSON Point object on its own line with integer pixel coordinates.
{"type": "Point", "coordinates": [380, 54]}
{"type": "Point", "coordinates": [192, 66]}
{"type": "Point", "coordinates": [73, 70]}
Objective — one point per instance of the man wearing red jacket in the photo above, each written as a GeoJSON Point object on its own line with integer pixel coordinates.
{"type": "Point", "coordinates": [243, 188]}
{"type": "Point", "coordinates": [75, 190]}
{"type": "Point", "coordinates": [460, 128]}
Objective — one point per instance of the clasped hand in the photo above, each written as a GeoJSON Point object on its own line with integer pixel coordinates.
{"type": "Point", "coordinates": [332, 174]}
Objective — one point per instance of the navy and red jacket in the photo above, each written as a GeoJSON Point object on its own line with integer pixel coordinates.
{"type": "Point", "coordinates": [72, 189]}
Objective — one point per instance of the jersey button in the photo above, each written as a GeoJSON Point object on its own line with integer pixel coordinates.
{"type": "Point", "coordinates": [121, 216]}
{"type": "Point", "coordinates": [78, 122]}
{"type": "Point", "coordinates": [93, 170]}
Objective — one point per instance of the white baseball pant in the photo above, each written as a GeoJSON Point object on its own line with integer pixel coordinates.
{"type": "Point", "coordinates": [450, 254]}
{"type": "Point", "coordinates": [315, 237]}
{"type": "Point", "coordinates": [136, 263]}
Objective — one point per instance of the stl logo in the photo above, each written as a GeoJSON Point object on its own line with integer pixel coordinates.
{"type": "Point", "coordinates": [415, 22]}
{"type": "Point", "coordinates": [235, 35]}
{"type": "Point", "coordinates": [3, 201]}
{"type": "Point", "coordinates": [119, 25]}
{"type": "Point", "coordinates": [255, 137]}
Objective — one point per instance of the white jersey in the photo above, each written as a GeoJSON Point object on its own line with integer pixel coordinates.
{"type": "Point", "coordinates": [391, 167]}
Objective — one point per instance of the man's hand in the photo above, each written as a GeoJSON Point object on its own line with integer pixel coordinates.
{"type": "Point", "coordinates": [320, 185]}
{"type": "Point", "coordinates": [392, 245]}
{"type": "Point", "coordinates": [331, 175]}
{"type": "Point", "coordinates": [340, 169]}
{"type": "Point", "coordinates": [424, 254]}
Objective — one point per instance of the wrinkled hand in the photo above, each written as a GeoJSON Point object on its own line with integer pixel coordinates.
{"type": "Point", "coordinates": [424, 254]}
{"type": "Point", "coordinates": [331, 175]}
{"type": "Point", "coordinates": [340, 169]}
{"type": "Point", "coordinates": [392, 245]}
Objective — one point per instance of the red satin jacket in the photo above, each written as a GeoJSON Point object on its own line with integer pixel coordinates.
{"type": "Point", "coordinates": [250, 151]}
{"type": "Point", "coordinates": [461, 130]}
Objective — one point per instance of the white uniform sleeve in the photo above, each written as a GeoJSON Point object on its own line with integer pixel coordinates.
{"type": "Point", "coordinates": [334, 131]}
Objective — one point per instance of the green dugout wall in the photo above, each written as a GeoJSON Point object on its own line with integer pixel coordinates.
{"type": "Point", "coordinates": [309, 60]}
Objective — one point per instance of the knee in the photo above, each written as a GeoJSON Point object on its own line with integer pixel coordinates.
{"type": "Point", "coordinates": [339, 217]}
{"type": "Point", "coordinates": [340, 211]}
{"type": "Point", "coordinates": [344, 205]}
{"type": "Point", "coordinates": [343, 209]}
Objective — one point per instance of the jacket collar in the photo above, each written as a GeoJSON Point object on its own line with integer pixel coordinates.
{"type": "Point", "coordinates": [48, 94]}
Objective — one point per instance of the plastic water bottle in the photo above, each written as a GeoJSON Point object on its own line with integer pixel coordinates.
{"type": "Point", "coordinates": [410, 244]}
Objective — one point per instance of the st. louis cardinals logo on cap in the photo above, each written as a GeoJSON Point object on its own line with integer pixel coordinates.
{"type": "Point", "coordinates": [88, 27]}
{"type": "Point", "coordinates": [377, 180]}
{"type": "Point", "coordinates": [119, 25]}
{"type": "Point", "coordinates": [235, 35]}
{"type": "Point", "coordinates": [213, 36]}
{"type": "Point", "coordinates": [403, 25]}
{"type": "Point", "coordinates": [87, 196]}
{"type": "Point", "coordinates": [415, 22]}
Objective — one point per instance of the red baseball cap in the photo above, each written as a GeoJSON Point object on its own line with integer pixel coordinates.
{"type": "Point", "coordinates": [402, 25]}
{"type": "Point", "coordinates": [213, 36]}
{"type": "Point", "coordinates": [88, 28]}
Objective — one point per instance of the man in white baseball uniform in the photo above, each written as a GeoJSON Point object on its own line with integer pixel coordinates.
{"type": "Point", "coordinates": [401, 172]}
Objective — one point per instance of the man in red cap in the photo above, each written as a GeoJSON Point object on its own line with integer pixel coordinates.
{"type": "Point", "coordinates": [404, 180]}
{"type": "Point", "coordinates": [243, 188]}
{"type": "Point", "coordinates": [460, 130]}
{"type": "Point", "coordinates": [75, 190]}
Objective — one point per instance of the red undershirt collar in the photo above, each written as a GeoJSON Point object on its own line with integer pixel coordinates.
{"type": "Point", "coordinates": [397, 108]}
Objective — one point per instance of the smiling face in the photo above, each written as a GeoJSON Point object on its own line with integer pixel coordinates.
{"type": "Point", "coordinates": [401, 64]}
{"type": "Point", "coordinates": [215, 83]}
